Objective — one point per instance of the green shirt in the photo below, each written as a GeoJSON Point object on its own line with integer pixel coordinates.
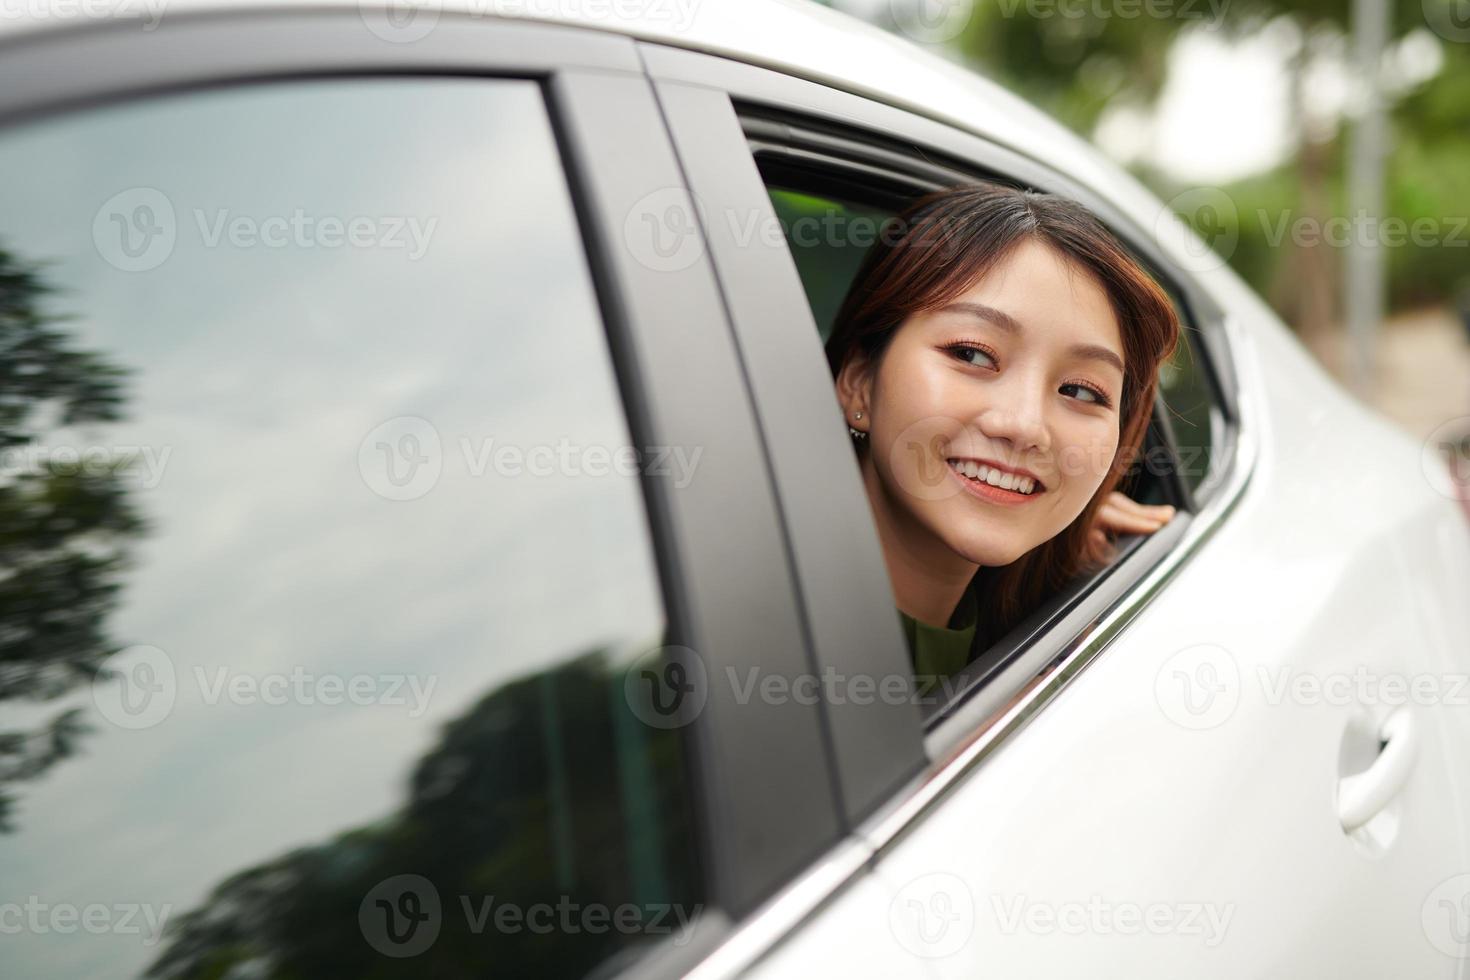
{"type": "Point", "coordinates": [939, 651]}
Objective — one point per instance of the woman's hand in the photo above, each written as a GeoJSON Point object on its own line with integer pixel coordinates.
{"type": "Point", "coordinates": [1120, 514]}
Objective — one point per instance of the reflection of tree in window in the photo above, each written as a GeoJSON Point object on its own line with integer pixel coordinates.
{"type": "Point", "coordinates": [516, 805]}
{"type": "Point", "coordinates": [65, 529]}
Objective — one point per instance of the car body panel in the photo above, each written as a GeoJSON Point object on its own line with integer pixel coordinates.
{"type": "Point", "coordinates": [1337, 553]}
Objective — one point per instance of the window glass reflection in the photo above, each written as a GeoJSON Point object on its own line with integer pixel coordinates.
{"type": "Point", "coordinates": [314, 450]}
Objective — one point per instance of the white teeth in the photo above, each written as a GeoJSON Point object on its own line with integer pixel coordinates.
{"type": "Point", "coordinates": [1006, 481]}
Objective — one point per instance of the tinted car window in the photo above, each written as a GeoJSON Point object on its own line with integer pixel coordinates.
{"type": "Point", "coordinates": [324, 555]}
{"type": "Point", "coordinates": [1194, 413]}
{"type": "Point", "coordinates": [828, 239]}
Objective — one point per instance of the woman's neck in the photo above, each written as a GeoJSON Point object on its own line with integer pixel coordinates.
{"type": "Point", "coordinates": [928, 578]}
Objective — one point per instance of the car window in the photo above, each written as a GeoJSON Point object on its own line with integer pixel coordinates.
{"type": "Point", "coordinates": [828, 235]}
{"type": "Point", "coordinates": [325, 558]}
{"type": "Point", "coordinates": [828, 239]}
{"type": "Point", "coordinates": [1195, 415]}
{"type": "Point", "coordinates": [827, 259]}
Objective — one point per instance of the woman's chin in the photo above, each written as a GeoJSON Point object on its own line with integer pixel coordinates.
{"type": "Point", "coordinates": [988, 554]}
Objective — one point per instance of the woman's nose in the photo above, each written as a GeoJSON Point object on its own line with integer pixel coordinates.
{"type": "Point", "coordinates": [1016, 414]}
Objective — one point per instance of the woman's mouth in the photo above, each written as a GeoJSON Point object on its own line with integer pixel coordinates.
{"type": "Point", "coordinates": [989, 483]}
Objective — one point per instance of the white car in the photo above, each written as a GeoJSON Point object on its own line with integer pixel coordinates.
{"type": "Point", "coordinates": [432, 547]}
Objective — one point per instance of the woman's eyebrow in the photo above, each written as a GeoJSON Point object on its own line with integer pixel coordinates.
{"type": "Point", "coordinates": [1010, 324]}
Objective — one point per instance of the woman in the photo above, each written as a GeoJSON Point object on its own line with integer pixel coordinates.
{"type": "Point", "coordinates": [996, 336]}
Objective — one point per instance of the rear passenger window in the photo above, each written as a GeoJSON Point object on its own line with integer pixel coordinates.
{"type": "Point", "coordinates": [1194, 412]}
{"type": "Point", "coordinates": [324, 550]}
{"type": "Point", "coordinates": [828, 239]}
{"type": "Point", "coordinates": [828, 235]}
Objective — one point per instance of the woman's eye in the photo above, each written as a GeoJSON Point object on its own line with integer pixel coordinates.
{"type": "Point", "coordinates": [1092, 395]}
{"type": "Point", "coordinates": [968, 354]}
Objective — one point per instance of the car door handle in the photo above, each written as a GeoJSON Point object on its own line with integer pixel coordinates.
{"type": "Point", "coordinates": [1364, 794]}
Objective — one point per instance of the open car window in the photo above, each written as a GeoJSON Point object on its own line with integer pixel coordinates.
{"type": "Point", "coordinates": [831, 214]}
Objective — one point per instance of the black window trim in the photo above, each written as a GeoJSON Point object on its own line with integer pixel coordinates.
{"type": "Point", "coordinates": [761, 816]}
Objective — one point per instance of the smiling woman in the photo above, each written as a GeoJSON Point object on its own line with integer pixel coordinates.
{"type": "Point", "coordinates": [997, 359]}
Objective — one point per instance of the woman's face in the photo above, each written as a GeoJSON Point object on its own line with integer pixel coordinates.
{"type": "Point", "coordinates": [1010, 371]}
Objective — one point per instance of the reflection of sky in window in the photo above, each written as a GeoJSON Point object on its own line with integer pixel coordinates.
{"type": "Point", "coordinates": [262, 370]}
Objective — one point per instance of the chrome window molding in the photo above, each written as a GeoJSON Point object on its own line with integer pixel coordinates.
{"type": "Point", "coordinates": [763, 931]}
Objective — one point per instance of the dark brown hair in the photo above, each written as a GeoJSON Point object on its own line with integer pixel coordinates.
{"type": "Point", "coordinates": [939, 247]}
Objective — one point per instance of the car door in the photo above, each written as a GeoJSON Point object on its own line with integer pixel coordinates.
{"type": "Point", "coordinates": [1138, 789]}
{"type": "Point", "coordinates": [383, 508]}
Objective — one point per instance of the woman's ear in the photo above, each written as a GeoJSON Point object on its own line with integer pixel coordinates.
{"type": "Point", "coordinates": [854, 391]}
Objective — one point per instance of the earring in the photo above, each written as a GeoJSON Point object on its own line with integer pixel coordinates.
{"type": "Point", "coordinates": [857, 434]}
